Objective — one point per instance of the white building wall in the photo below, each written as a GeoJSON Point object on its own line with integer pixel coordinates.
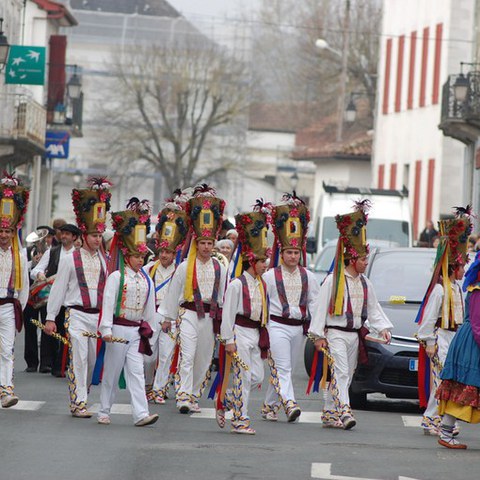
{"type": "Point", "coordinates": [411, 135]}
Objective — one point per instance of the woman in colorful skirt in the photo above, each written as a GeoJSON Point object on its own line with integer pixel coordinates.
{"type": "Point", "coordinates": [459, 392]}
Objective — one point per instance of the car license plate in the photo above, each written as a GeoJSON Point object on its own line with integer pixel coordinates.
{"type": "Point", "coordinates": [413, 365]}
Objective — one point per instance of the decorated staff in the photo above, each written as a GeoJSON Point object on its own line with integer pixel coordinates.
{"type": "Point", "coordinates": [172, 229]}
{"type": "Point", "coordinates": [347, 304]}
{"type": "Point", "coordinates": [79, 286]}
{"type": "Point", "coordinates": [195, 296]}
{"type": "Point", "coordinates": [128, 312]}
{"type": "Point", "coordinates": [441, 312]}
{"type": "Point", "coordinates": [13, 278]}
{"type": "Point", "coordinates": [244, 321]}
{"type": "Point", "coordinates": [293, 293]}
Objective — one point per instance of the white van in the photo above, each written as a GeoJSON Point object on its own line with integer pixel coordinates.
{"type": "Point", "coordinates": [389, 217]}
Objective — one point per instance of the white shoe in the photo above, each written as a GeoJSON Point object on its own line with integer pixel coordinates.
{"type": "Point", "coordinates": [9, 401]}
{"type": "Point", "coordinates": [104, 420]}
{"type": "Point", "coordinates": [148, 420]}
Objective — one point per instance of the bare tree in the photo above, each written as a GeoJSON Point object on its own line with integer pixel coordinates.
{"type": "Point", "coordinates": [292, 69]}
{"type": "Point", "coordinates": [167, 105]}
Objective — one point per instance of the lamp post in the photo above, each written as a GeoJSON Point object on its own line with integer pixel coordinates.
{"type": "Point", "coordinates": [294, 180]}
{"type": "Point", "coordinates": [74, 85]}
{"type": "Point", "coordinates": [4, 47]}
{"type": "Point", "coordinates": [323, 45]}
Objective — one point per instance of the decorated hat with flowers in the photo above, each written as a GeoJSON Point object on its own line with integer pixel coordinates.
{"type": "Point", "coordinates": [173, 223]}
{"type": "Point", "coordinates": [456, 230]}
{"type": "Point", "coordinates": [451, 252]}
{"type": "Point", "coordinates": [352, 244]}
{"type": "Point", "coordinates": [205, 210]}
{"type": "Point", "coordinates": [91, 205]}
{"type": "Point", "coordinates": [290, 222]}
{"type": "Point", "coordinates": [13, 201]}
{"type": "Point", "coordinates": [132, 227]}
{"type": "Point", "coordinates": [352, 229]}
{"type": "Point", "coordinates": [252, 231]}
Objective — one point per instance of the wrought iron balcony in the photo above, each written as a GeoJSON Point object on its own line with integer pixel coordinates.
{"type": "Point", "coordinates": [22, 125]}
{"type": "Point", "coordinates": [461, 118]}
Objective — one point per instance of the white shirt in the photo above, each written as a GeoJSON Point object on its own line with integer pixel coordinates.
{"type": "Point", "coordinates": [375, 315]}
{"type": "Point", "coordinates": [161, 275]}
{"type": "Point", "coordinates": [233, 304]}
{"type": "Point", "coordinates": [176, 288]}
{"type": "Point", "coordinates": [6, 263]}
{"type": "Point", "coordinates": [65, 289]}
{"type": "Point", "coordinates": [139, 300]}
{"type": "Point", "coordinates": [43, 263]}
{"type": "Point", "coordinates": [433, 311]}
{"type": "Point", "coordinates": [293, 291]}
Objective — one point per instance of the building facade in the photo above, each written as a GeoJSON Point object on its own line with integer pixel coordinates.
{"type": "Point", "coordinates": [422, 41]}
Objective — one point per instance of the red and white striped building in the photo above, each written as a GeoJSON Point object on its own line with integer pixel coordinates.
{"type": "Point", "coordinates": [422, 42]}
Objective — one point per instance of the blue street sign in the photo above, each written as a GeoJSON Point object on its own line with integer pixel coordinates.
{"type": "Point", "coordinates": [57, 144]}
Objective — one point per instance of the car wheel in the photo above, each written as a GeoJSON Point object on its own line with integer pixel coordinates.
{"type": "Point", "coordinates": [358, 400]}
{"type": "Point", "coordinates": [308, 356]}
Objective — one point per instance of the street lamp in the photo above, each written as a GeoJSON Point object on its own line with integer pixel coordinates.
{"type": "Point", "coordinates": [4, 47]}
{"type": "Point", "coordinates": [74, 85]}
{"type": "Point", "coordinates": [351, 111]}
{"type": "Point", "coordinates": [294, 180]}
{"type": "Point", "coordinates": [460, 88]}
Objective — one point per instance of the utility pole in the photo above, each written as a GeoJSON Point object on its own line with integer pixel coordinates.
{"type": "Point", "coordinates": [343, 73]}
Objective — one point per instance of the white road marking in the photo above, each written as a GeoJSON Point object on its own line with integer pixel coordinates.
{"type": "Point", "coordinates": [27, 405]}
{"type": "Point", "coordinates": [411, 421]}
{"type": "Point", "coordinates": [209, 413]}
{"type": "Point", "coordinates": [117, 408]}
{"type": "Point", "coordinates": [324, 471]}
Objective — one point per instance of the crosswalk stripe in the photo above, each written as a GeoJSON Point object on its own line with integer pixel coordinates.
{"type": "Point", "coordinates": [410, 421]}
{"type": "Point", "coordinates": [117, 408]}
{"type": "Point", "coordinates": [27, 405]}
{"type": "Point", "coordinates": [305, 417]}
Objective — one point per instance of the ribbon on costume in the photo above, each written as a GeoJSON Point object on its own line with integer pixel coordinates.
{"type": "Point", "coordinates": [427, 368]}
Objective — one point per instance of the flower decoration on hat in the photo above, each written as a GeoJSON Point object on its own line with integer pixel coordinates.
{"type": "Point", "coordinates": [91, 205]}
{"type": "Point", "coordinates": [173, 222]}
{"type": "Point", "coordinates": [132, 227]}
{"type": "Point", "coordinates": [457, 231]}
{"type": "Point", "coordinates": [352, 244]}
{"type": "Point", "coordinates": [13, 206]}
{"type": "Point", "coordinates": [13, 201]}
{"type": "Point", "coordinates": [252, 230]}
{"type": "Point", "coordinates": [205, 211]}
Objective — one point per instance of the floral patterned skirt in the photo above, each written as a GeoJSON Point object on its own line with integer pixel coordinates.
{"type": "Point", "coordinates": [459, 400]}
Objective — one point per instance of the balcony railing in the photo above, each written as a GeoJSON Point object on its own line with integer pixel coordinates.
{"type": "Point", "coordinates": [22, 119]}
{"type": "Point", "coordinates": [461, 119]}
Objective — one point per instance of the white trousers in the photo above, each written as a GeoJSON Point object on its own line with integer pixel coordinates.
{"type": "Point", "coordinates": [286, 344]}
{"type": "Point", "coordinates": [82, 353]}
{"type": "Point", "coordinates": [162, 346]}
{"type": "Point", "coordinates": [126, 356]}
{"type": "Point", "coordinates": [197, 342]}
{"type": "Point", "coordinates": [248, 350]}
{"type": "Point", "coordinates": [444, 338]}
{"type": "Point", "coordinates": [7, 342]}
{"type": "Point", "coordinates": [343, 347]}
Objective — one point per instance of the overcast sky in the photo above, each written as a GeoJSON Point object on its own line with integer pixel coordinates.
{"type": "Point", "coordinates": [213, 8]}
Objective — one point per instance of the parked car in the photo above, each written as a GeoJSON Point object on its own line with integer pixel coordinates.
{"type": "Point", "coordinates": [400, 277]}
{"type": "Point", "coordinates": [324, 259]}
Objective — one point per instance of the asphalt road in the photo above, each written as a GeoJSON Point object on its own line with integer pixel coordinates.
{"type": "Point", "coordinates": [41, 441]}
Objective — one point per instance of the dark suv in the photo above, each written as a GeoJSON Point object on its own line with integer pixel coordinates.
{"type": "Point", "coordinates": [400, 277]}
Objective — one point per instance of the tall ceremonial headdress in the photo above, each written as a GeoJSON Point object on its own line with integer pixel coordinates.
{"type": "Point", "coordinates": [131, 229]}
{"type": "Point", "coordinates": [290, 225]}
{"type": "Point", "coordinates": [352, 244]}
{"type": "Point", "coordinates": [13, 205]}
{"type": "Point", "coordinates": [173, 223]}
{"type": "Point", "coordinates": [205, 211]}
{"type": "Point", "coordinates": [451, 252]}
{"type": "Point", "coordinates": [91, 205]}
